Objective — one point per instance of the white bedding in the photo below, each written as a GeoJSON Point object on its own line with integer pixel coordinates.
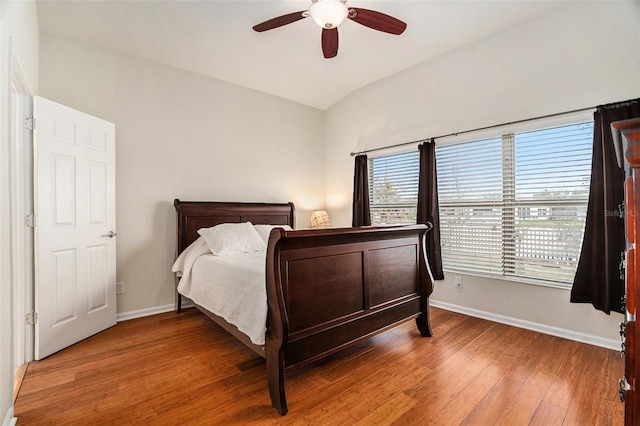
{"type": "Point", "coordinates": [232, 287]}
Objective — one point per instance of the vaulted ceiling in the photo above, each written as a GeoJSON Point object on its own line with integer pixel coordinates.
{"type": "Point", "coordinates": [215, 38]}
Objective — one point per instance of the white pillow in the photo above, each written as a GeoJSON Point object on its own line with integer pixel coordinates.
{"type": "Point", "coordinates": [265, 230]}
{"type": "Point", "coordinates": [232, 238]}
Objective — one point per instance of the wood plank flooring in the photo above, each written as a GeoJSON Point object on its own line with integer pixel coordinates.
{"type": "Point", "coordinates": [181, 369]}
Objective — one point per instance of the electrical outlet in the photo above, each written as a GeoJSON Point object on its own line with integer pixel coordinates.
{"type": "Point", "coordinates": [120, 288]}
{"type": "Point", "coordinates": [457, 280]}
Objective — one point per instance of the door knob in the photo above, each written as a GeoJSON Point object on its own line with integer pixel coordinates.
{"type": "Point", "coordinates": [110, 234]}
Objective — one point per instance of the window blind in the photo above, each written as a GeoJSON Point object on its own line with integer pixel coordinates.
{"type": "Point", "coordinates": [393, 188]}
{"type": "Point", "coordinates": [515, 205]}
{"type": "Point", "coordinates": [551, 191]}
{"type": "Point", "coordinates": [470, 194]}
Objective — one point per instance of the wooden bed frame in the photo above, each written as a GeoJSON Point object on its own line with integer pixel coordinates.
{"type": "Point", "coordinates": [327, 289]}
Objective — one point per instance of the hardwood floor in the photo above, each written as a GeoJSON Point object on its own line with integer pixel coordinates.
{"type": "Point", "coordinates": [181, 369]}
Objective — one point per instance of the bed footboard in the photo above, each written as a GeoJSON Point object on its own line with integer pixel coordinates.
{"type": "Point", "coordinates": [329, 289]}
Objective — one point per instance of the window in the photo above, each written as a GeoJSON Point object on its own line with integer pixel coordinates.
{"type": "Point", "coordinates": [470, 190]}
{"type": "Point", "coordinates": [393, 188]}
{"type": "Point", "coordinates": [512, 205]}
{"type": "Point", "coordinates": [516, 205]}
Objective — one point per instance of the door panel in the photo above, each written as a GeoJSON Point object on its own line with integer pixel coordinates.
{"type": "Point", "coordinates": [64, 193]}
{"type": "Point", "coordinates": [74, 194]}
{"type": "Point", "coordinates": [98, 278]}
{"type": "Point", "coordinates": [97, 193]}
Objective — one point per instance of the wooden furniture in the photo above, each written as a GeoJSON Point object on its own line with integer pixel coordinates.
{"type": "Point", "coordinates": [326, 289]}
{"type": "Point", "coordinates": [626, 136]}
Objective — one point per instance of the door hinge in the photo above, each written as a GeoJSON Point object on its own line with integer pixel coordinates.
{"type": "Point", "coordinates": [30, 123]}
{"type": "Point", "coordinates": [32, 318]}
{"type": "Point", "coordinates": [31, 220]}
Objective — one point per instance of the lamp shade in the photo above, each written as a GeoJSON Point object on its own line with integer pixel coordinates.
{"type": "Point", "coordinates": [328, 13]}
{"type": "Point", "coordinates": [319, 219]}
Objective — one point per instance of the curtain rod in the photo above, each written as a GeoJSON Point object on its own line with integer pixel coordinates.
{"type": "Point", "coordinates": [366, 151]}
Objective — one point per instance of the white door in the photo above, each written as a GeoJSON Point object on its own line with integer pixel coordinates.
{"type": "Point", "coordinates": [74, 202]}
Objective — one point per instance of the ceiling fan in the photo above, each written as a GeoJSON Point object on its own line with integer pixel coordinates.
{"type": "Point", "coordinates": [331, 13]}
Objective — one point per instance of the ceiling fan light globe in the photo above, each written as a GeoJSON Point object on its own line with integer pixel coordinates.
{"type": "Point", "coordinates": [328, 13]}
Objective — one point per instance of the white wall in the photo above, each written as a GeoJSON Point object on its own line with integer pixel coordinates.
{"type": "Point", "coordinates": [18, 39]}
{"type": "Point", "coordinates": [581, 55]}
{"type": "Point", "coordinates": [182, 135]}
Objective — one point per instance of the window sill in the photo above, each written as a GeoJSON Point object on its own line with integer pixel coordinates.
{"type": "Point", "coordinates": [520, 280]}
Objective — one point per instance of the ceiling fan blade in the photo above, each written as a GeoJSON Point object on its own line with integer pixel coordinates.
{"type": "Point", "coordinates": [377, 20]}
{"type": "Point", "coordinates": [280, 21]}
{"type": "Point", "coordinates": [330, 42]}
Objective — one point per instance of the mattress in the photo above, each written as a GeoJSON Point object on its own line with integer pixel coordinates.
{"type": "Point", "coordinates": [232, 287]}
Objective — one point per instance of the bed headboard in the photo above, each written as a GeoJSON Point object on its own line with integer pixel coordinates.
{"type": "Point", "coordinates": [193, 215]}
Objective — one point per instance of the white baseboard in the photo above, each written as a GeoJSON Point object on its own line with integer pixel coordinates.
{"type": "Point", "coordinates": [9, 420]}
{"type": "Point", "coordinates": [124, 316]}
{"type": "Point", "coordinates": [516, 322]}
{"type": "Point", "coordinates": [529, 325]}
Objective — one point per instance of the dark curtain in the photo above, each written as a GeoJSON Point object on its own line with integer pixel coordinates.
{"type": "Point", "coordinates": [597, 280]}
{"type": "Point", "coordinates": [361, 211]}
{"type": "Point", "coordinates": [428, 206]}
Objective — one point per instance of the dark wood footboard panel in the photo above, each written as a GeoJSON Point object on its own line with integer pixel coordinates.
{"type": "Point", "coordinates": [328, 289]}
